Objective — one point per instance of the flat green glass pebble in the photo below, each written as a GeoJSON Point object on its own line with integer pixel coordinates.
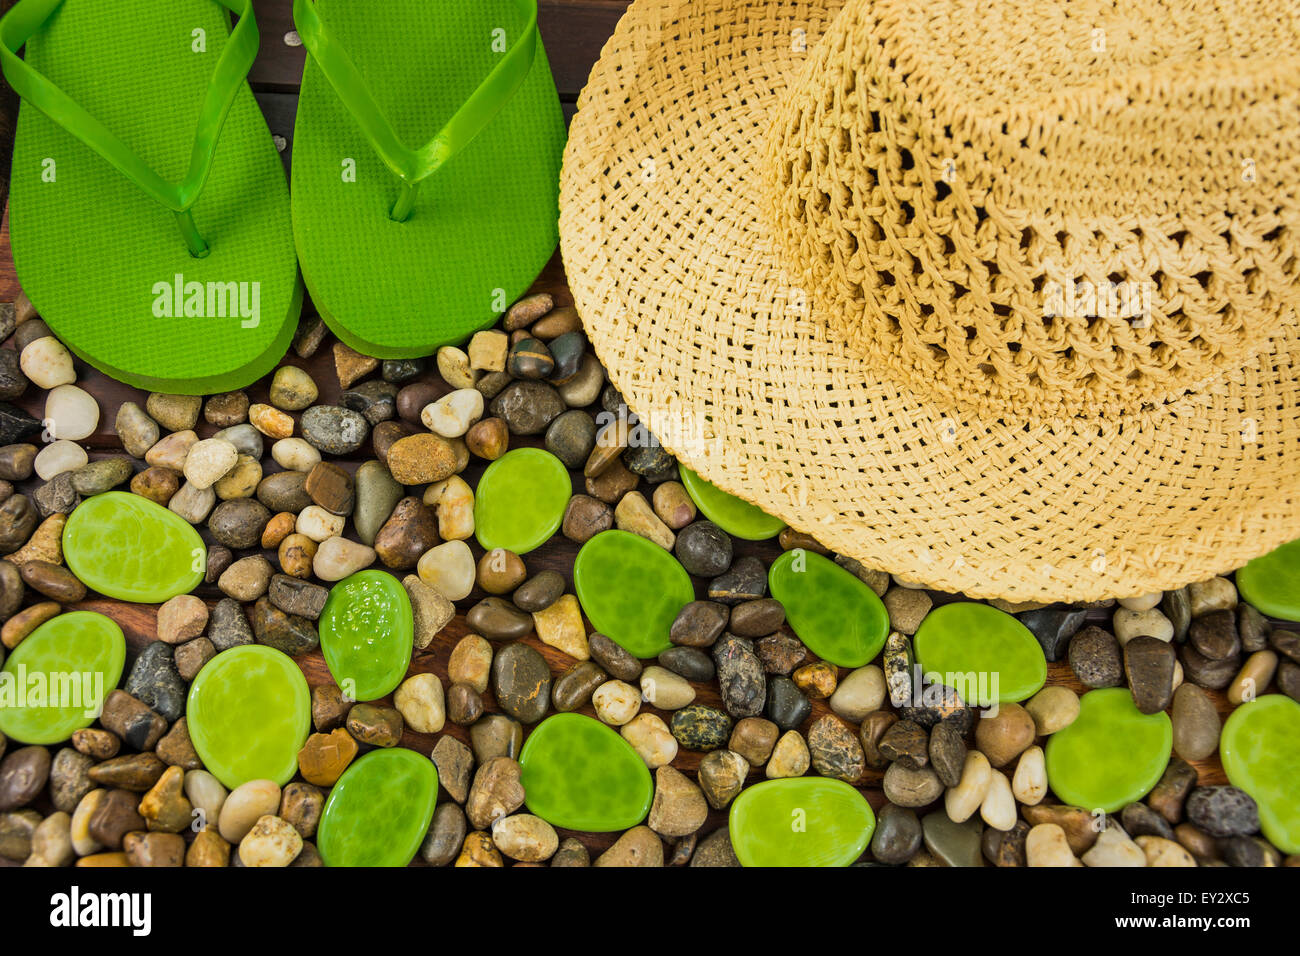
{"type": "Point", "coordinates": [631, 589]}
{"type": "Point", "coordinates": [733, 515]}
{"type": "Point", "coordinates": [836, 615]}
{"type": "Point", "coordinates": [126, 547]}
{"type": "Point", "coordinates": [984, 654]}
{"type": "Point", "coordinates": [581, 775]}
{"type": "Point", "coordinates": [1112, 755]}
{"type": "Point", "coordinates": [1272, 582]}
{"type": "Point", "coordinates": [1260, 748]}
{"type": "Point", "coordinates": [249, 713]}
{"type": "Point", "coordinates": [379, 811]}
{"type": "Point", "coordinates": [366, 633]}
{"type": "Point", "coordinates": [56, 680]}
{"type": "Point", "coordinates": [800, 821]}
{"type": "Point", "coordinates": [520, 500]}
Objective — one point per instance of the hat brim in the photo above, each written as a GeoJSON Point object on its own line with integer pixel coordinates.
{"type": "Point", "coordinates": [675, 274]}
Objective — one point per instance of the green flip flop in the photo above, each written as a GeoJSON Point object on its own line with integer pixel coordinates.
{"type": "Point", "coordinates": [136, 119]}
{"type": "Point", "coordinates": [405, 250]}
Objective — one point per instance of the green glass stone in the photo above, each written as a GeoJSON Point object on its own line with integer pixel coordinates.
{"type": "Point", "coordinates": [56, 680]}
{"type": "Point", "coordinates": [631, 590]}
{"type": "Point", "coordinates": [1112, 755]}
{"type": "Point", "coordinates": [1272, 582]}
{"type": "Point", "coordinates": [366, 632]}
{"type": "Point", "coordinates": [836, 615]}
{"type": "Point", "coordinates": [579, 774]}
{"type": "Point", "coordinates": [733, 515]}
{"type": "Point", "coordinates": [249, 714]}
{"type": "Point", "coordinates": [379, 811]}
{"type": "Point", "coordinates": [520, 500]}
{"type": "Point", "coordinates": [800, 821]}
{"type": "Point", "coordinates": [1260, 748]}
{"type": "Point", "coordinates": [126, 547]}
{"type": "Point", "coordinates": [984, 654]}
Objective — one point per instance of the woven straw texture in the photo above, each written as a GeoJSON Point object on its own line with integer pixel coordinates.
{"type": "Point", "coordinates": [1107, 461]}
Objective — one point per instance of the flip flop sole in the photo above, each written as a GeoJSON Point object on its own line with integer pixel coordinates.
{"type": "Point", "coordinates": [484, 225]}
{"type": "Point", "coordinates": [99, 258]}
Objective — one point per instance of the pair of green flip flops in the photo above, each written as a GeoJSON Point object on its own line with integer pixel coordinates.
{"type": "Point", "coordinates": [137, 119]}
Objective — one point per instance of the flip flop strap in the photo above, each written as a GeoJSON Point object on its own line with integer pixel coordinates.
{"type": "Point", "coordinates": [29, 17]}
{"type": "Point", "coordinates": [413, 166]}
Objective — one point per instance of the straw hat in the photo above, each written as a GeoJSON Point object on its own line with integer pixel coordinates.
{"type": "Point", "coordinates": [999, 298]}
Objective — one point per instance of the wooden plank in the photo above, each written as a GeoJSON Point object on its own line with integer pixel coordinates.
{"type": "Point", "coordinates": [573, 32]}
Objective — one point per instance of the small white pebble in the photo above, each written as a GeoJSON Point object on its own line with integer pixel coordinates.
{"type": "Point", "coordinates": [58, 457]}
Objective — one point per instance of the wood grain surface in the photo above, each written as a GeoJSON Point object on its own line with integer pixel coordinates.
{"type": "Point", "coordinates": [574, 32]}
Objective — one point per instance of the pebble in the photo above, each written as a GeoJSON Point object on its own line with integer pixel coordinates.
{"type": "Point", "coordinates": [12, 380]}
{"type": "Point", "coordinates": [1214, 635]}
{"type": "Point", "coordinates": [1004, 737]}
{"type": "Point", "coordinates": [701, 727]}
{"type": "Point", "coordinates": [155, 681]}
{"type": "Point", "coordinates": [786, 706]}
{"type": "Point", "coordinates": [911, 788]}
{"type": "Point", "coordinates": [664, 689]}
{"type": "Point", "coordinates": [247, 579]}
{"type": "Point", "coordinates": [1170, 792]}
{"type": "Point", "coordinates": [407, 535]}
{"type": "Point", "coordinates": [324, 756]}
{"type": "Point", "coordinates": [521, 682]}
{"type": "Point", "coordinates": [699, 624]}
{"type": "Point", "coordinates": [525, 837]}
{"type": "Point", "coordinates": [1216, 594]}
{"type": "Point", "coordinates": [488, 439]}
{"type": "Point", "coordinates": [639, 846]}
{"type": "Point", "coordinates": [228, 626]}
{"type": "Point", "coordinates": [746, 581]}
{"type": "Point", "coordinates": [612, 484]}
{"type": "Point", "coordinates": [679, 807]}
{"type": "Point", "coordinates": [1149, 666]}
{"type": "Point", "coordinates": [835, 750]}
{"type": "Point", "coordinates": [651, 461]}
{"type": "Point", "coordinates": [1207, 673]}
{"type": "Point", "coordinates": [817, 680]}
{"type": "Point", "coordinates": [536, 594]}
{"type": "Point", "coordinates": [1054, 628]}
{"type": "Point", "coordinates": [780, 653]}
{"type": "Point", "coordinates": [452, 415]}
{"type": "Point", "coordinates": [1253, 678]}
{"type": "Point", "coordinates": [1029, 784]}
{"type": "Point", "coordinates": [58, 457]}
{"type": "Point", "coordinates": [999, 807]}
{"type": "Point", "coordinates": [154, 849]}
{"type": "Point", "coordinates": [351, 366]}
{"type": "Point", "coordinates": [908, 742]}
{"type": "Point", "coordinates": [907, 608]}
{"type": "Point", "coordinates": [528, 407]}
{"type": "Point", "coordinates": [239, 523]}
{"type": "Point", "coordinates": [495, 793]}
{"type": "Point", "coordinates": [1131, 624]}
{"type": "Point", "coordinates": [287, 633]}
{"type": "Point", "coordinates": [613, 657]}
{"type": "Point", "coordinates": [333, 429]}
{"type": "Point", "coordinates": [453, 500]}
{"type": "Point", "coordinates": [740, 676]}
{"type": "Point", "coordinates": [633, 513]}
{"type": "Point", "coordinates": [295, 596]}
{"type": "Point", "coordinates": [446, 835]}
{"type": "Point", "coordinates": [47, 363]}
{"type": "Point", "coordinates": [1223, 811]}
{"type": "Point", "coordinates": [1096, 659]}
{"type": "Point", "coordinates": [136, 430]}
{"type": "Point", "coordinates": [176, 413]}
{"type": "Point", "coordinates": [448, 568]}
{"type": "Point", "coordinates": [420, 701]}
{"type": "Point", "coordinates": [16, 424]}
{"type": "Point", "coordinates": [897, 836]}
{"type": "Point", "coordinates": [227, 409]}
{"type": "Point", "coordinates": [651, 739]}
{"type": "Point", "coordinates": [950, 843]}
{"type": "Point", "coordinates": [756, 618]}
{"type": "Point", "coordinates": [573, 689]}
{"type": "Point", "coordinates": [17, 462]}
{"type": "Point", "coordinates": [272, 842]}
{"type": "Point", "coordinates": [421, 459]}
{"type": "Point", "coordinates": [1163, 852]}
{"type": "Point", "coordinates": [375, 725]}
{"type": "Point", "coordinates": [1141, 820]}
{"type": "Point", "coordinates": [71, 413]}
{"type": "Point", "coordinates": [560, 626]}
{"type": "Point", "coordinates": [164, 807]}
{"type": "Point", "coordinates": [703, 549]}
{"type": "Point", "coordinates": [455, 763]}
{"type": "Point", "coordinates": [790, 757]}
{"type": "Point", "coordinates": [95, 743]}
{"type": "Point", "coordinates": [59, 584]}
{"type": "Point", "coordinates": [1196, 723]}
{"type": "Point", "coordinates": [284, 491]}
{"type": "Point", "coordinates": [690, 662]}
{"type": "Point", "coordinates": [499, 620]}
{"type": "Point", "coordinates": [1052, 709]}
{"type": "Point", "coordinates": [571, 438]}
{"type": "Point", "coordinates": [193, 504]}
{"type": "Point", "coordinates": [488, 351]}
{"type": "Point", "coordinates": [859, 693]}
{"type": "Point", "coordinates": [337, 558]}
{"type": "Point", "coordinates": [1046, 845]}
{"type": "Point", "coordinates": [616, 702]}
{"type": "Point", "coordinates": [376, 401]}
{"type": "Point", "coordinates": [18, 627]}
{"type": "Point", "coordinates": [567, 351]}
{"type": "Point", "coordinates": [947, 751]}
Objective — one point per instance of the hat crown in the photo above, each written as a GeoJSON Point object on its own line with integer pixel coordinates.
{"type": "Point", "coordinates": [1046, 207]}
